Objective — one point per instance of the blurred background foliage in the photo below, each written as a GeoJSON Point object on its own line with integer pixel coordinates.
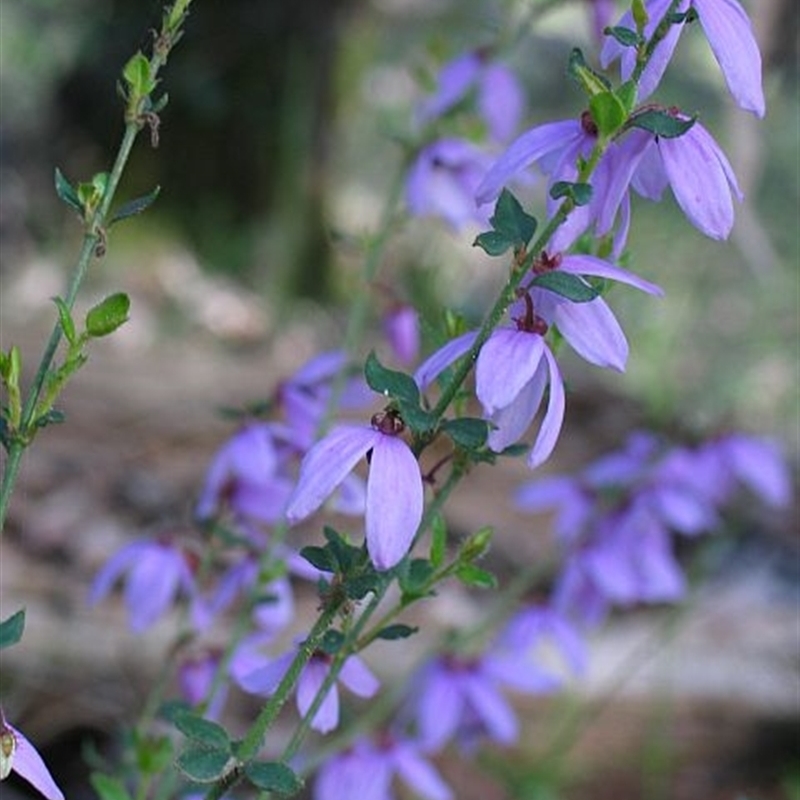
{"type": "Point", "coordinates": [287, 120]}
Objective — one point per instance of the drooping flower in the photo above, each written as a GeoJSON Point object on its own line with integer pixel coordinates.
{"type": "Point", "coordinates": [500, 98]}
{"type": "Point", "coordinates": [461, 697]}
{"type": "Point", "coordinates": [196, 682]}
{"type": "Point", "coordinates": [729, 33]}
{"type": "Point", "coordinates": [17, 754]}
{"type": "Point", "coordinates": [693, 165]}
{"type": "Point", "coordinates": [394, 486]}
{"type": "Point", "coordinates": [512, 371]}
{"type": "Point", "coordinates": [245, 475]}
{"type": "Point", "coordinates": [354, 674]}
{"type": "Point", "coordinates": [366, 770]}
{"type": "Point", "coordinates": [158, 569]}
{"type": "Point", "coordinates": [442, 182]}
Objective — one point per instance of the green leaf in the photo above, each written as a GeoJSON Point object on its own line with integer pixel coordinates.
{"type": "Point", "coordinates": [398, 631]}
{"type": "Point", "coordinates": [108, 788]}
{"type": "Point", "coordinates": [467, 432]}
{"type": "Point", "coordinates": [625, 36]}
{"type": "Point", "coordinates": [201, 765]}
{"type": "Point", "coordinates": [477, 545]}
{"type": "Point", "coordinates": [51, 417]}
{"type": "Point", "coordinates": [415, 579]}
{"type": "Point", "coordinates": [331, 642]}
{"type": "Point", "coordinates": [472, 575]}
{"type": "Point", "coordinates": [510, 219]}
{"type": "Point", "coordinates": [66, 192]}
{"type": "Point", "coordinates": [319, 557]}
{"type": "Point", "coordinates": [153, 754]}
{"type": "Point", "coordinates": [108, 315]}
{"type": "Point", "coordinates": [138, 76]}
{"type": "Point", "coordinates": [579, 193]}
{"type": "Point", "coordinates": [359, 586]}
{"type": "Point", "coordinates": [627, 94]}
{"type": "Point", "coordinates": [389, 382]}
{"type": "Point", "coordinates": [661, 123]}
{"type": "Point", "coordinates": [438, 540]}
{"type": "Point", "coordinates": [590, 81]}
{"type": "Point", "coordinates": [272, 776]}
{"type": "Point", "coordinates": [133, 207]}
{"type": "Point", "coordinates": [210, 735]}
{"type": "Point", "coordinates": [640, 15]}
{"type": "Point", "coordinates": [608, 113]}
{"type": "Point", "coordinates": [567, 285]}
{"type": "Point", "coordinates": [11, 629]}
{"type": "Point", "coordinates": [493, 243]}
{"type": "Point", "coordinates": [65, 318]}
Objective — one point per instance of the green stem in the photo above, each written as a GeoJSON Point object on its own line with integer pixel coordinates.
{"type": "Point", "coordinates": [254, 739]}
{"type": "Point", "coordinates": [92, 237]}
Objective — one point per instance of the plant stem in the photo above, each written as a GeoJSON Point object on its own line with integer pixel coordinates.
{"type": "Point", "coordinates": [95, 232]}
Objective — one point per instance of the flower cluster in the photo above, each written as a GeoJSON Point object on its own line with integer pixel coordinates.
{"type": "Point", "coordinates": [614, 520]}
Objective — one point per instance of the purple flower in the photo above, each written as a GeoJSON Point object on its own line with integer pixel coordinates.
{"type": "Point", "coordinates": [693, 165]}
{"type": "Point", "coordinates": [499, 95]}
{"type": "Point", "coordinates": [245, 475]}
{"type": "Point", "coordinates": [395, 495]}
{"type": "Point", "coordinates": [354, 675]}
{"type": "Point", "coordinates": [590, 328]}
{"type": "Point", "coordinates": [367, 769]}
{"type": "Point", "coordinates": [534, 628]}
{"type": "Point", "coordinates": [401, 328]}
{"type": "Point", "coordinates": [461, 697]}
{"type": "Point", "coordinates": [555, 146]}
{"type": "Point", "coordinates": [196, 676]}
{"type": "Point", "coordinates": [19, 755]}
{"type": "Point", "coordinates": [442, 182]}
{"type": "Point", "coordinates": [729, 33]}
{"type": "Point", "coordinates": [512, 371]}
{"type": "Point", "coordinates": [157, 571]}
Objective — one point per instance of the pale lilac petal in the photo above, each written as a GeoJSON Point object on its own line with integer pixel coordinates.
{"type": "Point", "coordinates": [500, 101]}
{"type": "Point", "coordinates": [650, 179]}
{"type": "Point", "coordinates": [701, 179]}
{"type": "Point", "coordinates": [351, 497]}
{"type": "Point", "coordinates": [356, 676]}
{"type": "Point", "coordinates": [623, 162]}
{"type": "Point", "coordinates": [683, 510]}
{"type": "Point", "coordinates": [320, 368]}
{"type": "Point", "coordinates": [511, 422]}
{"type": "Point", "coordinates": [524, 151]}
{"type": "Point", "coordinates": [507, 361]}
{"type": "Point", "coordinates": [593, 332]}
{"type": "Point", "coordinates": [730, 34]}
{"type": "Point", "coordinates": [446, 355]}
{"type": "Point", "coordinates": [113, 569]}
{"type": "Point", "coordinates": [492, 708]}
{"type": "Point", "coordinates": [401, 328]}
{"type": "Point", "coordinates": [419, 774]}
{"type": "Point", "coordinates": [590, 265]}
{"type": "Point", "coordinates": [662, 55]}
{"type": "Point", "coordinates": [759, 465]}
{"type": "Point", "coordinates": [152, 585]}
{"type": "Point", "coordinates": [661, 578]}
{"type": "Point", "coordinates": [454, 81]}
{"type": "Point", "coordinates": [518, 673]}
{"type": "Point", "coordinates": [28, 764]}
{"type": "Point", "coordinates": [395, 501]}
{"type": "Point", "coordinates": [326, 465]}
{"type": "Point", "coordinates": [440, 708]}
{"type": "Point", "coordinates": [264, 679]}
{"type": "Point", "coordinates": [553, 418]}
{"type": "Point", "coordinates": [265, 501]}
{"type": "Point", "coordinates": [309, 683]}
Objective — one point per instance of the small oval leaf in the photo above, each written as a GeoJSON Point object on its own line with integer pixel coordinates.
{"type": "Point", "coordinates": [567, 285]}
{"type": "Point", "coordinates": [66, 192]}
{"type": "Point", "coordinates": [201, 765]}
{"type": "Point", "coordinates": [273, 777]}
{"type": "Point", "coordinates": [108, 315]}
{"type": "Point", "coordinates": [11, 629]}
{"type": "Point", "coordinates": [203, 731]}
